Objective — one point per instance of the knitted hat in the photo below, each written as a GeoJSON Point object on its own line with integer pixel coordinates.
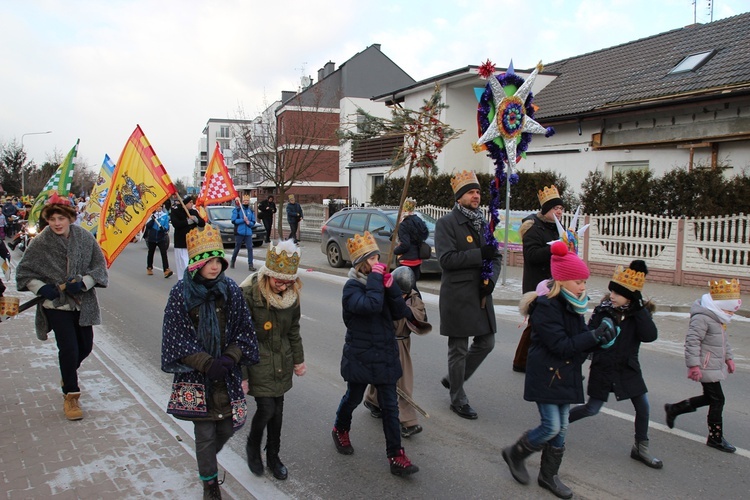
{"type": "Point", "coordinates": [567, 265]}
{"type": "Point", "coordinates": [282, 261]}
{"type": "Point", "coordinates": [361, 247]}
{"type": "Point", "coordinates": [188, 199]}
{"type": "Point", "coordinates": [58, 204]}
{"type": "Point", "coordinates": [202, 246]}
{"type": "Point", "coordinates": [726, 294]}
{"type": "Point", "coordinates": [629, 282]}
{"type": "Point", "coordinates": [549, 198]}
{"type": "Point", "coordinates": [464, 181]}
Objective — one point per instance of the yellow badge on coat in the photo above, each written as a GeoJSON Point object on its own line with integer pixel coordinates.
{"type": "Point", "coordinates": [267, 325]}
{"type": "Point", "coordinates": [470, 239]}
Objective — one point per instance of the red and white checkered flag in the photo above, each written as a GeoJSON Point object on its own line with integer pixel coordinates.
{"type": "Point", "coordinates": [217, 185]}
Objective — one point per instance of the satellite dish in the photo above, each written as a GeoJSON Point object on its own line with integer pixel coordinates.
{"type": "Point", "coordinates": [306, 81]}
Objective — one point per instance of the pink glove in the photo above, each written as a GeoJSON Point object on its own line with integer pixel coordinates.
{"type": "Point", "coordinates": [730, 365]}
{"type": "Point", "coordinates": [387, 280]}
{"type": "Point", "coordinates": [300, 369]}
{"type": "Point", "coordinates": [378, 267]}
{"type": "Point", "coordinates": [694, 373]}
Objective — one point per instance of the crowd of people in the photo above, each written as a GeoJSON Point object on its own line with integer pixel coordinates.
{"type": "Point", "coordinates": [225, 341]}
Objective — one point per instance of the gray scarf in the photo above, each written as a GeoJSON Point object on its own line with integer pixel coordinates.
{"type": "Point", "coordinates": [475, 216]}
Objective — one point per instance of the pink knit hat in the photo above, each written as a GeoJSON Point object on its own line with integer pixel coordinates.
{"type": "Point", "coordinates": [567, 265]}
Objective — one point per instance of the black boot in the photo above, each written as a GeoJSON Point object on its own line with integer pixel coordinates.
{"type": "Point", "coordinates": [640, 452]}
{"type": "Point", "coordinates": [716, 438]}
{"type": "Point", "coordinates": [548, 478]}
{"type": "Point", "coordinates": [273, 444]}
{"type": "Point", "coordinates": [211, 490]}
{"type": "Point", "coordinates": [677, 409]}
{"type": "Point", "coordinates": [515, 456]}
{"type": "Point", "coordinates": [253, 456]}
{"type": "Point", "coordinates": [278, 469]}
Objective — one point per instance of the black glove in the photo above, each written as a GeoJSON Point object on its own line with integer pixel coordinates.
{"type": "Point", "coordinates": [227, 362]}
{"type": "Point", "coordinates": [605, 332]}
{"type": "Point", "coordinates": [486, 289]}
{"type": "Point", "coordinates": [49, 292]}
{"type": "Point", "coordinates": [73, 287]}
{"type": "Point", "coordinates": [488, 251]}
{"type": "Point", "coordinates": [636, 305]}
{"type": "Point", "coordinates": [217, 371]}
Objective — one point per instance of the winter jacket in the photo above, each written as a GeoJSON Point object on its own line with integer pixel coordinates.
{"type": "Point", "coordinates": [617, 369]}
{"type": "Point", "coordinates": [279, 343]}
{"type": "Point", "coordinates": [370, 350]}
{"type": "Point", "coordinates": [157, 227]}
{"type": "Point", "coordinates": [536, 233]}
{"type": "Point", "coordinates": [559, 343]}
{"type": "Point", "coordinates": [293, 212]}
{"type": "Point", "coordinates": [461, 305]}
{"type": "Point", "coordinates": [266, 209]}
{"type": "Point", "coordinates": [706, 344]}
{"type": "Point", "coordinates": [411, 233]}
{"type": "Point", "coordinates": [194, 396]}
{"type": "Point", "coordinates": [238, 219]}
{"type": "Point", "coordinates": [181, 226]}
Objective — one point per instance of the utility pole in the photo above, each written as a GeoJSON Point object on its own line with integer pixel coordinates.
{"type": "Point", "coordinates": [23, 173]}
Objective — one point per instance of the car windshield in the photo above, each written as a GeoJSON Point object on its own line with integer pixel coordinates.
{"type": "Point", "coordinates": [428, 220]}
{"type": "Point", "coordinates": [220, 213]}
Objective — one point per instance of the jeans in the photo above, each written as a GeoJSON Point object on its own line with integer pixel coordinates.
{"type": "Point", "coordinates": [74, 344]}
{"type": "Point", "coordinates": [554, 425]}
{"type": "Point", "coordinates": [388, 403]}
{"type": "Point", "coordinates": [210, 438]}
{"type": "Point", "coordinates": [247, 240]}
{"type": "Point", "coordinates": [713, 397]}
{"type": "Point", "coordinates": [640, 404]}
{"type": "Point", "coordinates": [463, 362]}
{"type": "Point", "coordinates": [163, 245]}
{"type": "Point", "coordinates": [293, 226]}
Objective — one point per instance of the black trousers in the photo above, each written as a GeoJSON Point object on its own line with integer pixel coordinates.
{"type": "Point", "coordinates": [163, 246]}
{"type": "Point", "coordinates": [74, 344]}
{"type": "Point", "coordinates": [269, 414]}
{"type": "Point", "coordinates": [713, 397]}
{"type": "Point", "coordinates": [293, 226]}
{"type": "Point", "coordinates": [268, 224]}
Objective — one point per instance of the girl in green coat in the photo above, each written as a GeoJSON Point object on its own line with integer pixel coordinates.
{"type": "Point", "coordinates": [272, 296]}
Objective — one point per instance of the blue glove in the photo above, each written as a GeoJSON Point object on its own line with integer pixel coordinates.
{"type": "Point", "coordinates": [49, 292]}
{"type": "Point", "coordinates": [612, 342]}
{"type": "Point", "coordinates": [74, 287]}
{"type": "Point", "coordinates": [217, 371]}
{"type": "Point", "coordinates": [605, 332]}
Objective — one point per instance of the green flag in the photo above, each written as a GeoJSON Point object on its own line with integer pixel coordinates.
{"type": "Point", "coordinates": [59, 183]}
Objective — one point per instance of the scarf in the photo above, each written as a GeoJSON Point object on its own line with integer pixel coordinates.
{"type": "Point", "coordinates": [475, 216]}
{"type": "Point", "coordinates": [580, 304]}
{"type": "Point", "coordinates": [203, 293]}
{"type": "Point", "coordinates": [285, 300]}
{"type": "Point", "coordinates": [355, 275]}
{"type": "Point", "coordinates": [708, 303]}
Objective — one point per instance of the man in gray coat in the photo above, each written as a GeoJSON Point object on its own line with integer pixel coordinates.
{"type": "Point", "coordinates": [466, 308]}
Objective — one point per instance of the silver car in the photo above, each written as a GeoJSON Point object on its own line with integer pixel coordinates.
{"type": "Point", "coordinates": [380, 222]}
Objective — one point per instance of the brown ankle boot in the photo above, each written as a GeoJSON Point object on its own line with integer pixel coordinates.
{"type": "Point", "coordinates": [71, 408]}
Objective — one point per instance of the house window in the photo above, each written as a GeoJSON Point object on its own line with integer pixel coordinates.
{"type": "Point", "coordinates": [624, 167]}
{"type": "Point", "coordinates": [692, 62]}
{"type": "Point", "coordinates": [223, 132]}
{"type": "Point", "coordinates": [377, 180]}
{"type": "Point", "coordinates": [224, 144]}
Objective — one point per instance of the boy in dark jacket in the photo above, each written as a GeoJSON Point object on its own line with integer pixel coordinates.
{"type": "Point", "coordinates": [617, 369]}
{"type": "Point", "coordinates": [411, 233]}
{"type": "Point", "coordinates": [371, 302]}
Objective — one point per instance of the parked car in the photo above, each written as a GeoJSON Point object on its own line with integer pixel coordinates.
{"type": "Point", "coordinates": [221, 216]}
{"type": "Point", "coordinates": [380, 222]}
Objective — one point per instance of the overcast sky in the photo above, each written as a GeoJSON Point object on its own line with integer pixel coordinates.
{"type": "Point", "coordinates": [94, 69]}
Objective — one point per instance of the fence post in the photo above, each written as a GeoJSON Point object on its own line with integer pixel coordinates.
{"type": "Point", "coordinates": [586, 240]}
{"type": "Point", "coordinates": [680, 252]}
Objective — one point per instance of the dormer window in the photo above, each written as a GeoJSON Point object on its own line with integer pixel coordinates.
{"type": "Point", "coordinates": [693, 62]}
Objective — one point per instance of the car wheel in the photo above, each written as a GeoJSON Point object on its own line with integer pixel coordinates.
{"type": "Point", "coordinates": [257, 243]}
{"type": "Point", "coordinates": [333, 252]}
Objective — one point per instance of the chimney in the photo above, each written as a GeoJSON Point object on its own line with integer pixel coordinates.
{"type": "Point", "coordinates": [376, 46]}
{"type": "Point", "coordinates": [329, 67]}
{"type": "Point", "coordinates": [321, 74]}
{"type": "Point", "coordinates": [287, 94]}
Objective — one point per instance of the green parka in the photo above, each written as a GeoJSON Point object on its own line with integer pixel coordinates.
{"type": "Point", "coordinates": [279, 343]}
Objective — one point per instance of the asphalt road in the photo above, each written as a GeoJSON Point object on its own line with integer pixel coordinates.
{"type": "Point", "coordinates": [458, 458]}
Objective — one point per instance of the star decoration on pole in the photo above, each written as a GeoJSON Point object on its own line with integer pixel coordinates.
{"type": "Point", "coordinates": [511, 119]}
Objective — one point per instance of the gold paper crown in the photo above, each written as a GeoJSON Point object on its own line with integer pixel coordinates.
{"type": "Point", "coordinates": [463, 178]}
{"type": "Point", "coordinates": [360, 246]}
{"type": "Point", "coordinates": [629, 278]}
{"type": "Point", "coordinates": [410, 204]}
{"type": "Point", "coordinates": [282, 263]}
{"type": "Point", "coordinates": [725, 290]}
{"type": "Point", "coordinates": [549, 193]}
{"type": "Point", "coordinates": [204, 242]}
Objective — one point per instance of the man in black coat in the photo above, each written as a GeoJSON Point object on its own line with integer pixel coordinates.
{"type": "Point", "coordinates": [183, 220]}
{"type": "Point", "coordinates": [466, 308]}
{"type": "Point", "coordinates": [266, 209]}
{"type": "Point", "coordinates": [536, 231]}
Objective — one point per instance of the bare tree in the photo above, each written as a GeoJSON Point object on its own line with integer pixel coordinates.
{"type": "Point", "coordinates": [290, 143]}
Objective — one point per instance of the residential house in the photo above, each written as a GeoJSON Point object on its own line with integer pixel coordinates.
{"type": "Point", "coordinates": [226, 132]}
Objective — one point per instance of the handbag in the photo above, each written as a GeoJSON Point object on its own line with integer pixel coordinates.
{"type": "Point", "coordinates": [425, 252]}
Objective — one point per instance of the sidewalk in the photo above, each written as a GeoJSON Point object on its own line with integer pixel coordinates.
{"type": "Point", "coordinates": [119, 450]}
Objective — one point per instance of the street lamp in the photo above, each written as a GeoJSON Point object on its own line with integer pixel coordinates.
{"type": "Point", "coordinates": [23, 187]}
